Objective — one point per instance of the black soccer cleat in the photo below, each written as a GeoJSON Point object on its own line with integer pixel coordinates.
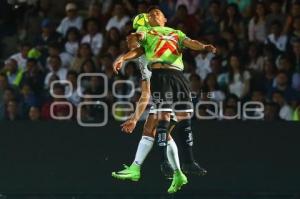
{"type": "Point", "coordinates": [166, 170]}
{"type": "Point", "coordinates": [193, 169]}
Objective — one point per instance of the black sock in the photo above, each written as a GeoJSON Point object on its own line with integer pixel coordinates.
{"type": "Point", "coordinates": [162, 135]}
{"type": "Point", "coordinates": [184, 130]}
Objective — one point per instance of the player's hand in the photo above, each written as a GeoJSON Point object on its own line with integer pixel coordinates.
{"type": "Point", "coordinates": [210, 48]}
{"type": "Point", "coordinates": [129, 126]}
{"type": "Point", "coordinates": [117, 65]}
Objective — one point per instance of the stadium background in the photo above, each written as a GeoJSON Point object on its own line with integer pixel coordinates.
{"type": "Point", "coordinates": [258, 59]}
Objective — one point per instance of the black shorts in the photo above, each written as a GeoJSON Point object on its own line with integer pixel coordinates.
{"type": "Point", "coordinates": [170, 91]}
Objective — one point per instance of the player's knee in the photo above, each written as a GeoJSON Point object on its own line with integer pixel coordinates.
{"type": "Point", "coordinates": [149, 132]}
{"type": "Point", "coordinates": [150, 126]}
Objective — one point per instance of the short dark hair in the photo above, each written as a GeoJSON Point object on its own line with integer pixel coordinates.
{"type": "Point", "coordinates": [91, 20]}
{"type": "Point", "coordinates": [73, 30]}
{"type": "Point", "coordinates": [55, 57]}
{"type": "Point", "coordinates": [88, 61]}
{"type": "Point", "coordinates": [33, 60]}
{"type": "Point", "coordinates": [153, 7]}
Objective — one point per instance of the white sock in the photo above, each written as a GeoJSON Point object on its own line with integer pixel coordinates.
{"type": "Point", "coordinates": [144, 147]}
{"type": "Point", "coordinates": [172, 153]}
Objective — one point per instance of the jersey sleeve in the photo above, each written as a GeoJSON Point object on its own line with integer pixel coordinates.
{"type": "Point", "coordinates": [142, 30]}
{"type": "Point", "coordinates": [182, 36]}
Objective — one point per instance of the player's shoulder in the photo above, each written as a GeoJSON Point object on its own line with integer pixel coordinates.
{"type": "Point", "coordinates": [165, 28]}
{"type": "Point", "coordinates": [142, 29]}
{"type": "Point", "coordinates": [169, 30]}
{"type": "Point", "coordinates": [178, 31]}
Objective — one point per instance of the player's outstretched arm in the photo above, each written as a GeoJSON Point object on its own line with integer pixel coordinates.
{"type": "Point", "coordinates": [132, 54]}
{"type": "Point", "coordinates": [196, 45]}
{"type": "Point", "coordinates": [130, 124]}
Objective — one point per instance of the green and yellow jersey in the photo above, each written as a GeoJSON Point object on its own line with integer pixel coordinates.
{"type": "Point", "coordinates": [163, 44]}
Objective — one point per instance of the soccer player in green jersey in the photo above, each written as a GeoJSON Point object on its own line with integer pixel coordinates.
{"type": "Point", "coordinates": [169, 89]}
{"type": "Point", "coordinates": [133, 171]}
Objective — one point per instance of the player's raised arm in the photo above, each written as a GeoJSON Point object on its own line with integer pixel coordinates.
{"type": "Point", "coordinates": [130, 124]}
{"type": "Point", "coordinates": [132, 54]}
{"type": "Point", "coordinates": [143, 101]}
{"type": "Point", "coordinates": [196, 45]}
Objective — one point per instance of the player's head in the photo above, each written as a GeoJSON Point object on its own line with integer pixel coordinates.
{"type": "Point", "coordinates": [156, 17]}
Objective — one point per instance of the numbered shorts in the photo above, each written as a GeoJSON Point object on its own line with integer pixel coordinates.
{"type": "Point", "coordinates": [170, 91]}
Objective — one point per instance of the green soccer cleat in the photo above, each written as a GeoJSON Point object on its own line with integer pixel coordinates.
{"type": "Point", "coordinates": [179, 179]}
{"type": "Point", "coordinates": [132, 173]}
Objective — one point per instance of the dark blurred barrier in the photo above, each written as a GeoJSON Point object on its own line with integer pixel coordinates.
{"type": "Point", "coordinates": [61, 158]}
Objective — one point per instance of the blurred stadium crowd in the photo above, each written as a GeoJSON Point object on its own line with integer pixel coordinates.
{"type": "Point", "coordinates": [257, 59]}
